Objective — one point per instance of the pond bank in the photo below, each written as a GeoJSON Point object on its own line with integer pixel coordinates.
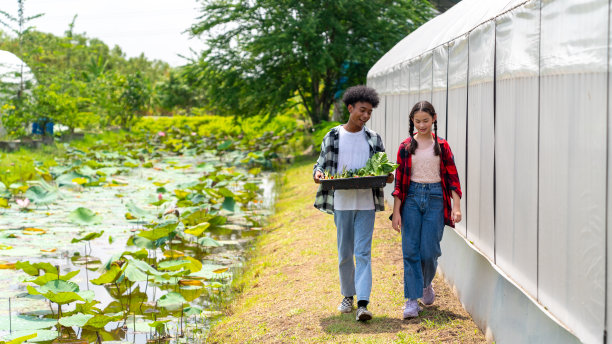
{"type": "Point", "coordinates": [290, 289]}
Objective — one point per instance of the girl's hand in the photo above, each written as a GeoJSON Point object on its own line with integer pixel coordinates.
{"type": "Point", "coordinates": [396, 222]}
{"type": "Point", "coordinates": [456, 215]}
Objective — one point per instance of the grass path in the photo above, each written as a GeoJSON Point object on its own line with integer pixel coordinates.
{"type": "Point", "coordinates": [290, 290]}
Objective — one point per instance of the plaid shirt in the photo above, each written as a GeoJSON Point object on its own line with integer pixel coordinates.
{"type": "Point", "coordinates": [328, 161]}
{"type": "Point", "coordinates": [448, 175]}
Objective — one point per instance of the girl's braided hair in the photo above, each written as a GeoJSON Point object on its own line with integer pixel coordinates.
{"type": "Point", "coordinates": [426, 107]}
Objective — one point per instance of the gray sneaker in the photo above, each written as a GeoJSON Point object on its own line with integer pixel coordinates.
{"type": "Point", "coordinates": [363, 314]}
{"type": "Point", "coordinates": [429, 295]}
{"type": "Point", "coordinates": [346, 306]}
{"type": "Point", "coordinates": [411, 309]}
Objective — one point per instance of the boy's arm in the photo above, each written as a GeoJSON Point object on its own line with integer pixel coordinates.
{"type": "Point", "coordinates": [319, 167]}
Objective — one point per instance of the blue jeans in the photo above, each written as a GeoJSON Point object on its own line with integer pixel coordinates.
{"type": "Point", "coordinates": [422, 229]}
{"type": "Point", "coordinates": [354, 229]}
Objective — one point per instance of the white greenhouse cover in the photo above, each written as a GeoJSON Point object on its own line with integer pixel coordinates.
{"type": "Point", "coordinates": [10, 68]}
{"type": "Point", "coordinates": [522, 91]}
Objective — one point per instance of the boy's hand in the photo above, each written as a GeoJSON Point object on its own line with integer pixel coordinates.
{"type": "Point", "coordinates": [317, 177]}
{"type": "Point", "coordinates": [396, 222]}
{"type": "Point", "coordinates": [390, 178]}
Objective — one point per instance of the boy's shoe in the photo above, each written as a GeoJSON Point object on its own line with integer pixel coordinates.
{"type": "Point", "coordinates": [346, 306]}
{"type": "Point", "coordinates": [363, 314]}
{"type": "Point", "coordinates": [428, 295]}
{"type": "Point", "coordinates": [411, 309]}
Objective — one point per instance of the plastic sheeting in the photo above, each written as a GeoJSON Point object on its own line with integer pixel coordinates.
{"type": "Point", "coordinates": [458, 20]}
{"type": "Point", "coordinates": [480, 139]}
{"type": "Point", "coordinates": [440, 86]}
{"type": "Point", "coordinates": [516, 160]}
{"type": "Point", "coordinates": [12, 70]}
{"type": "Point", "coordinates": [573, 138]}
{"type": "Point", "coordinates": [425, 76]}
{"type": "Point", "coordinates": [522, 93]}
{"type": "Point", "coordinates": [457, 116]}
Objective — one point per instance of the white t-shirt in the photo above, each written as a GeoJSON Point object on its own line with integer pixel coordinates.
{"type": "Point", "coordinates": [353, 153]}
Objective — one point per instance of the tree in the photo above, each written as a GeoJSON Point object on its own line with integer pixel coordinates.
{"type": "Point", "coordinates": [19, 26]}
{"type": "Point", "coordinates": [263, 52]}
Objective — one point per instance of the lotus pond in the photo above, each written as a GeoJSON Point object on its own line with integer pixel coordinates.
{"type": "Point", "coordinates": [136, 241]}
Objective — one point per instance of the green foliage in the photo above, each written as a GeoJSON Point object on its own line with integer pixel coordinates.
{"type": "Point", "coordinates": [263, 53]}
{"type": "Point", "coordinates": [80, 82]}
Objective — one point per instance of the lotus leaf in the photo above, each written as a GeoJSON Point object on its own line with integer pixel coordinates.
{"type": "Point", "coordinates": [191, 292]}
{"type": "Point", "coordinates": [40, 195]}
{"type": "Point", "coordinates": [159, 326]}
{"type": "Point", "coordinates": [136, 211]}
{"type": "Point", "coordinates": [192, 310]}
{"type": "Point", "coordinates": [229, 204]}
{"type": "Point", "coordinates": [41, 335]}
{"type": "Point", "coordinates": [84, 216]}
{"type": "Point", "coordinates": [208, 242]}
{"type": "Point", "coordinates": [161, 230]}
{"type": "Point", "coordinates": [88, 307]}
{"type": "Point", "coordinates": [33, 269]}
{"type": "Point", "coordinates": [80, 180]}
{"type": "Point", "coordinates": [173, 265]}
{"type": "Point", "coordinates": [171, 301]}
{"type": "Point", "coordinates": [173, 253]}
{"type": "Point", "coordinates": [4, 202]}
{"type": "Point", "coordinates": [146, 268]}
{"type": "Point", "coordinates": [88, 237]}
{"type": "Point", "coordinates": [67, 179]}
{"type": "Point", "coordinates": [78, 319]}
{"type": "Point", "coordinates": [181, 194]}
{"type": "Point", "coordinates": [142, 243]}
{"type": "Point", "coordinates": [140, 254]}
{"type": "Point", "coordinates": [63, 297]}
{"type": "Point", "coordinates": [225, 145]}
{"type": "Point", "coordinates": [100, 320]}
{"type": "Point", "coordinates": [59, 286]}
{"type": "Point", "coordinates": [25, 323]}
{"type": "Point", "coordinates": [21, 339]}
{"type": "Point", "coordinates": [109, 276]}
{"type": "Point", "coordinates": [134, 274]}
{"type": "Point", "coordinates": [194, 264]}
{"type": "Point", "coordinates": [48, 277]}
{"type": "Point", "coordinates": [198, 229]}
{"type": "Point", "coordinates": [87, 295]}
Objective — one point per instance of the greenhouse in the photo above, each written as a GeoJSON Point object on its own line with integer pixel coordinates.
{"type": "Point", "coordinates": [522, 90]}
{"type": "Point", "coordinates": [13, 73]}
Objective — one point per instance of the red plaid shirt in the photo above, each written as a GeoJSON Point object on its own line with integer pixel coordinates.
{"type": "Point", "coordinates": [448, 175]}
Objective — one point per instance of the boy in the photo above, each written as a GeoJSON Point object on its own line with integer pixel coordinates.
{"type": "Point", "coordinates": [350, 146]}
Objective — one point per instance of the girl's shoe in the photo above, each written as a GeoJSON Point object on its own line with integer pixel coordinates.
{"type": "Point", "coordinates": [411, 309]}
{"type": "Point", "coordinates": [428, 295]}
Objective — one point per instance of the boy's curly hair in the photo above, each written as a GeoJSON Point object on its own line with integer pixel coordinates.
{"type": "Point", "coordinates": [360, 93]}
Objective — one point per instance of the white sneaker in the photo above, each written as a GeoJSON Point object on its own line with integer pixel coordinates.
{"type": "Point", "coordinates": [346, 306]}
{"type": "Point", "coordinates": [429, 295]}
{"type": "Point", "coordinates": [411, 309]}
{"type": "Point", "coordinates": [363, 314]}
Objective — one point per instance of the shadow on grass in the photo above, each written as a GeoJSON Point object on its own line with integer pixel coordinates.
{"type": "Point", "coordinates": [430, 317]}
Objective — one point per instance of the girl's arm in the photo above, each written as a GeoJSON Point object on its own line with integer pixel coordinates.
{"type": "Point", "coordinates": [396, 221]}
{"type": "Point", "coordinates": [456, 212]}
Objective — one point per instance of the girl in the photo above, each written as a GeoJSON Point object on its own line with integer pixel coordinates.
{"type": "Point", "coordinates": [425, 182]}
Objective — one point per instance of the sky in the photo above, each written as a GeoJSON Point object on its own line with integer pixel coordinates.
{"type": "Point", "coordinates": [153, 27]}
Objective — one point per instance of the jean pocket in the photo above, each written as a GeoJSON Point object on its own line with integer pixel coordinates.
{"type": "Point", "coordinates": [435, 194]}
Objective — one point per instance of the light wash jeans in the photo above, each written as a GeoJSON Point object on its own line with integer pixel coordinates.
{"type": "Point", "coordinates": [355, 228]}
{"type": "Point", "coordinates": [422, 229]}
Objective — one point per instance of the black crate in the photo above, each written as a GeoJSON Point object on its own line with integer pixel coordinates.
{"type": "Point", "coordinates": [354, 183]}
